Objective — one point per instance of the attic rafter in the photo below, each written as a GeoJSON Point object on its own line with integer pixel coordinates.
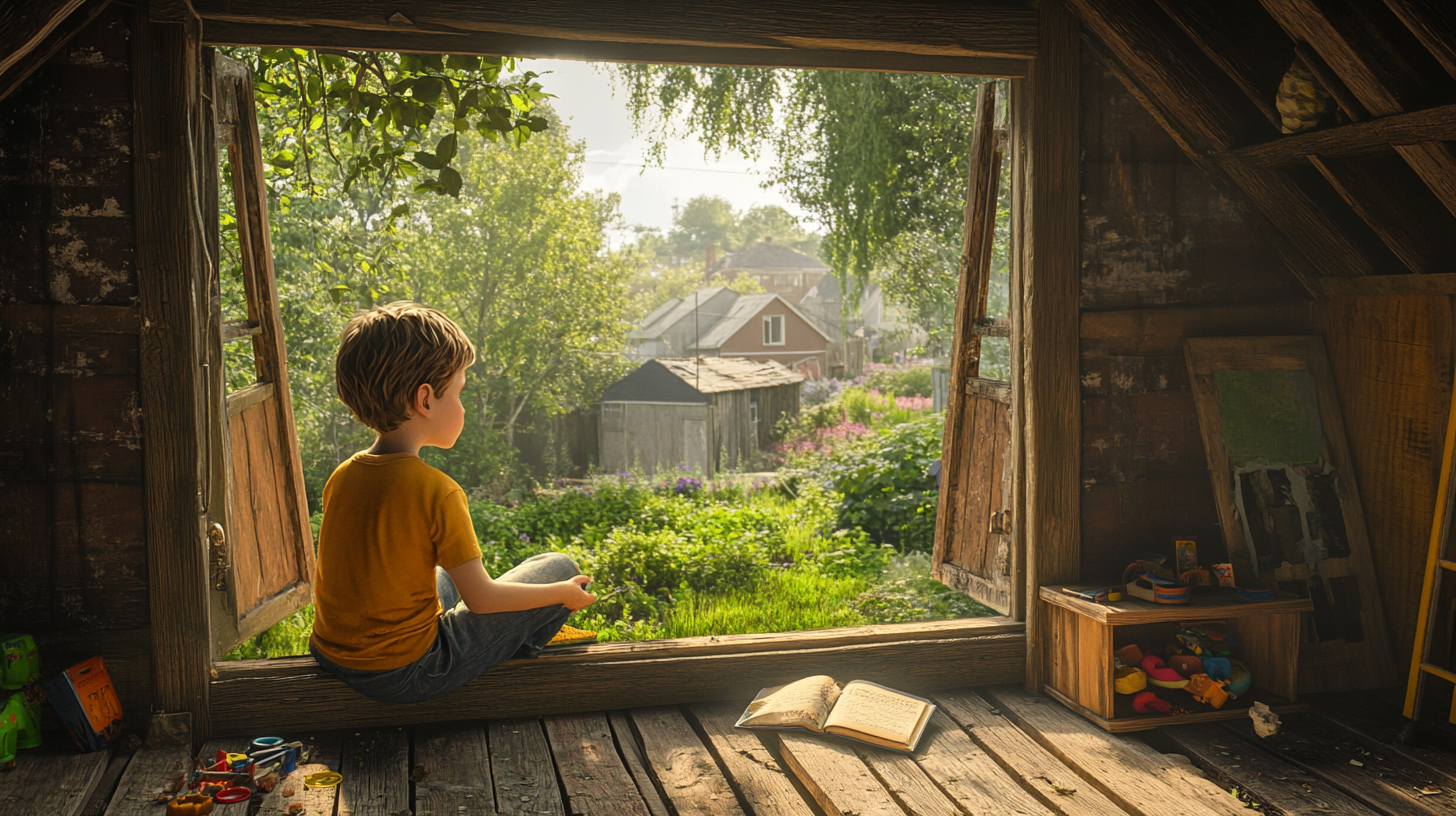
{"type": "Point", "coordinates": [1206, 114]}
{"type": "Point", "coordinates": [1382, 73]}
{"type": "Point", "coordinates": [1218, 27]}
{"type": "Point", "coordinates": [1356, 139]}
{"type": "Point", "coordinates": [31, 32]}
{"type": "Point", "coordinates": [1434, 24]}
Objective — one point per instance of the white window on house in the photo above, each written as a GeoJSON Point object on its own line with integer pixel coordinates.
{"type": "Point", "coordinates": [773, 330]}
{"type": "Point", "coordinates": [614, 415]}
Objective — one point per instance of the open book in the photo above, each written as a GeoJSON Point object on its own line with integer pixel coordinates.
{"type": "Point", "coordinates": [862, 711]}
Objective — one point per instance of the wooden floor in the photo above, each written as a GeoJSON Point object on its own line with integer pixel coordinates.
{"type": "Point", "coordinates": [989, 752]}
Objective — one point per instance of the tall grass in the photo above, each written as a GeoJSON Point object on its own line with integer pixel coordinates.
{"type": "Point", "coordinates": [788, 600]}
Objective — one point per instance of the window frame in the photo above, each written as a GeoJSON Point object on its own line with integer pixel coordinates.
{"type": "Point", "coordinates": [769, 321]}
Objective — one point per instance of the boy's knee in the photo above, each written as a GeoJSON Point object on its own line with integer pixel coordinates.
{"type": "Point", "coordinates": [562, 564]}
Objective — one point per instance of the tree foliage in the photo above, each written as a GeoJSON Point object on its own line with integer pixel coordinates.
{"type": "Point", "coordinates": [872, 156]}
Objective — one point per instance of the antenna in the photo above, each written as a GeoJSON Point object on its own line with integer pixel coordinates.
{"type": "Point", "coordinates": [697, 352]}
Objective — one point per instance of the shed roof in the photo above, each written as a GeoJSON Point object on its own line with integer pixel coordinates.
{"type": "Point", "coordinates": [768, 255]}
{"type": "Point", "coordinates": [744, 310]}
{"type": "Point", "coordinates": [715, 374]}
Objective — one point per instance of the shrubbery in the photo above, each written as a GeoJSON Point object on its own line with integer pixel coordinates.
{"type": "Point", "coordinates": [885, 486]}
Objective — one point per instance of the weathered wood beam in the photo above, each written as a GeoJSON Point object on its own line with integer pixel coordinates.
{"type": "Point", "coordinates": [549, 685]}
{"type": "Point", "coordinates": [1386, 75]}
{"type": "Point", "coordinates": [1357, 139]}
{"type": "Point", "coordinates": [1240, 39]}
{"type": "Point", "coordinates": [1204, 112]}
{"type": "Point", "coordinates": [1385, 192]}
{"type": "Point", "coordinates": [1045, 219]}
{"type": "Point", "coordinates": [982, 29]}
{"type": "Point", "coordinates": [171, 268]}
{"type": "Point", "coordinates": [1433, 22]}
{"type": "Point", "coordinates": [16, 66]}
{"type": "Point", "coordinates": [25, 24]}
{"type": "Point", "coordinates": [1378, 285]}
{"type": "Point", "coordinates": [222, 32]}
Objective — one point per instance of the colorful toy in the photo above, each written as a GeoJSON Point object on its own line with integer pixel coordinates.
{"type": "Point", "coordinates": [21, 662]}
{"type": "Point", "coordinates": [1130, 655]}
{"type": "Point", "coordinates": [1160, 675]}
{"type": "Point", "coordinates": [1240, 678]}
{"type": "Point", "coordinates": [1129, 680]}
{"type": "Point", "coordinates": [1207, 690]}
{"type": "Point", "coordinates": [86, 701]}
{"type": "Point", "coordinates": [1150, 703]}
{"type": "Point", "coordinates": [191, 804]}
{"type": "Point", "coordinates": [1186, 665]}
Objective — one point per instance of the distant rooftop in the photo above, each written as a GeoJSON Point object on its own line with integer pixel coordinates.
{"type": "Point", "coordinates": [711, 375]}
{"type": "Point", "coordinates": [768, 255]}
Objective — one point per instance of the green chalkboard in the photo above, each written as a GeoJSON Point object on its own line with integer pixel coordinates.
{"type": "Point", "coordinates": [1269, 417]}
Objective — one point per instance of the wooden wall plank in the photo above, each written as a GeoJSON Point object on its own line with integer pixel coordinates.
{"type": "Point", "coordinates": [1048, 777]}
{"type": "Point", "coordinates": [767, 789]}
{"type": "Point", "coordinates": [376, 774]}
{"type": "Point", "coordinates": [544, 686]}
{"type": "Point", "coordinates": [837, 779]}
{"type": "Point", "coordinates": [523, 771]}
{"type": "Point", "coordinates": [170, 263]}
{"type": "Point", "coordinates": [456, 765]}
{"type": "Point", "coordinates": [596, 781]}
{"type": "Point", "coordinates": [1047, 167]}
{"type": "Point", "coordinates": [243, 520]}
{"type": "Point", "coordinates": [1392, 361]}
{"type": "Point", "coordinates": [682, 765]}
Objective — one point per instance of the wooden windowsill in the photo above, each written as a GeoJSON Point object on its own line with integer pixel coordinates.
{"type": "Point", "coordinates": [294, 693]}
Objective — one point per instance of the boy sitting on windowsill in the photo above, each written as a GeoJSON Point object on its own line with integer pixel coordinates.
{"type": "Point", "coordinates": [403, 608]}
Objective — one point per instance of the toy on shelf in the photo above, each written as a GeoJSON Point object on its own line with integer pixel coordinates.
{"type": "Point", "coordinates": [86, 701]}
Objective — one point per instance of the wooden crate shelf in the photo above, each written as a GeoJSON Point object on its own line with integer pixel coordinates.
{"type": "Point", "coordinates": [1084, 636]}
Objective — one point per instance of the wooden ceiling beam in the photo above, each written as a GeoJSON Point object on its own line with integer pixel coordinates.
{"type": "Point", "coordinates": [527, 47]}
{"type": "Point", "coordinates": [1379, 68]}
{"type": "Point", "coordinates": [981, 29]}
{"type": "Point", "coordinates": [1205, 113]}
{"type": "Point", "coordinates": [1386, 194]}
{"type": "Point", "coordinates": [28, 26]}
{"type": "Point", "coordinates": [1433, 22]}
{"type": "Point", "coordinates": [1240, 39]}
{"type": "Point", "coordinates": [1360, 138]}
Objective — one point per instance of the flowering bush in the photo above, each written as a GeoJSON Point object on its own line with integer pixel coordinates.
{"type": "Point", "coordinates": [885, 485]}
{"type": "Point", "coordinates": [687, 485]}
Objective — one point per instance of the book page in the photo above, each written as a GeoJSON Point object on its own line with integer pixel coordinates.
{"type": "Point", "coordinates": [803, 703]}
{"type": "Point", "coordinates": [877, 711]}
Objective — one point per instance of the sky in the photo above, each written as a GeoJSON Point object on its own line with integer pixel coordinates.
{"type": "Point", "coordinates": [615, 154]}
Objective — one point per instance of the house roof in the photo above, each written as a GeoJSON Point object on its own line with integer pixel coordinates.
{"type": "Point", "coordinates": [745, 309]}
{"type": "Point", "coordinates": [768, 255]}
{"type": "Point", "coordinates": [668, 314]}
{"type": "Point", "coordinates": [717, 374]}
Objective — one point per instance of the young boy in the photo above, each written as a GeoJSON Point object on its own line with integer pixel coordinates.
{"type": "Point", "coordinates": [403, 608]}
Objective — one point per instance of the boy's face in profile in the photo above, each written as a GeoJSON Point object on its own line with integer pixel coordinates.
{"type": "Point", "coordinates": [446, 416]}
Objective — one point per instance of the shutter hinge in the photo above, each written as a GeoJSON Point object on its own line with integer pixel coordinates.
{"type": "Point", "coordinates": [217, 540]}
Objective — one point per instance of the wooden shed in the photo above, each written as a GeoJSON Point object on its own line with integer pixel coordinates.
{"type": "Point", "coordinates": [694, 415]}
{"type": "Point", "coordinates": [150, 517]}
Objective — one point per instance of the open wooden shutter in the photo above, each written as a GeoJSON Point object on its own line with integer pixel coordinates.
{"type": "Point", "coordinates": [975, 543]}
{"type": "Point", "coordinates": [262, 544]}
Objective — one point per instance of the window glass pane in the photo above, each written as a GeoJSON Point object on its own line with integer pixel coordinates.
{"type": "Point", "coordinates": [240, 368]}
{"type": "Point", "coordinates": [996, 358]}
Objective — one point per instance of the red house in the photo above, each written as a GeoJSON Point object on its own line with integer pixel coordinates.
{"type": "Point", "coordinates": [767, 327]}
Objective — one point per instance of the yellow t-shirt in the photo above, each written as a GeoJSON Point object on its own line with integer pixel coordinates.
{"type": "Point", "coordinates": [389, 520]}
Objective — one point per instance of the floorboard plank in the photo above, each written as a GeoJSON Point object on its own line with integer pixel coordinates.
{"type": "Point", "coordinates": [232, 745]}
{"type": "Point", "coordinates": [907, 783]}
{"type": "Point", "coordinates": [326, 753]}
{"type": "Point", "coordinates": [682, 765]}
{"type": "Point", "coordinates": [51, 780]}
{"type": "Point", "coordinates": [837, 779]}
{"type": "Point", "coordinates": [761, 781]}
{"type": "Point", "coordinates": [967, 773]}
{"type": "Point", "coordinates": [376, 774]}
{"type": "Point", "coordinates": [1292, 790]}
{"type": "Point", "coordinates": [631, 751]}
{"type": "Point", "coordinates": [145, 776]}
{"type": "Point", "coordinates": [101, 794]}
{"type": "Point", "coordinates": [1378, 718]}
{"type": "Point", "coordinates": [523, 772]}
{"type": "Point", "coordinates": [596, 781]}
{"type": "Point", "coordinates": [1131, 773]}
{"type": "Point", "coordinates": [455, 762]}
{"type": "Point", "coordinates": [1050, 778]}
{"type": "Point", "coordinates": [1385, 783]}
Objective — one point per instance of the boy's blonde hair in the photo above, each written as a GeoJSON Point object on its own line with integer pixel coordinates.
{"type": "Point", "coordinates": [388, 352]}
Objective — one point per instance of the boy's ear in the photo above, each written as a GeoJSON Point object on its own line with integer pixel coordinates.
{"type": "Point", "coordinates": [424, 396]}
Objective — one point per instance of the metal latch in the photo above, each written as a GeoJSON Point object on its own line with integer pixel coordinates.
{"type": "Point", "coordinates": [217, 540]}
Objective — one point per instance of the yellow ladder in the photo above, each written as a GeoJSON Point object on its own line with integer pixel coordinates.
{"type": "Point", "coordinates": [1438, 563]}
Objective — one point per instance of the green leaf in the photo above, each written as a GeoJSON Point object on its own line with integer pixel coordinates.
{"type": "Point", "coordinates": [499, 117]}
{"type": "Point", "coordinates": [446, 149]}
{"type": "Point", "coordinates": [462, 62]}
{"type": "Point", "coordinates": [283, 159]}
{"type": "Point", "coordinates": [428, 90]}
{"type": "Point", "coordinates": [536, 123]}
{"type": "Point", "coordinates": [314, 88]}
{"type": "Point", "coordinates": [316, 122]}
{"type": "Point", "coordinates": [428, 161]}
{"type": "Point", "coordinates": [451, 181]}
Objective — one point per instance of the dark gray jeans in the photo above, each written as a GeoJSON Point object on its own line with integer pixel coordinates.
{"type": "Point", "coordinates": [467, 644]}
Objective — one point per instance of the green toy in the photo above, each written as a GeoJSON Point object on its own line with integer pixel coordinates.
{"type": "Point", "coordinates": [19, 662]}
{"type": "Point", "coordinates": [19, 672]}
{"type": "Point", "coordinates": [10, 729]}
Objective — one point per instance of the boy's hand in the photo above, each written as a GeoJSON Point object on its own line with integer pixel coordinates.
{"type": "Point", "coordinates": [575, 595]}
